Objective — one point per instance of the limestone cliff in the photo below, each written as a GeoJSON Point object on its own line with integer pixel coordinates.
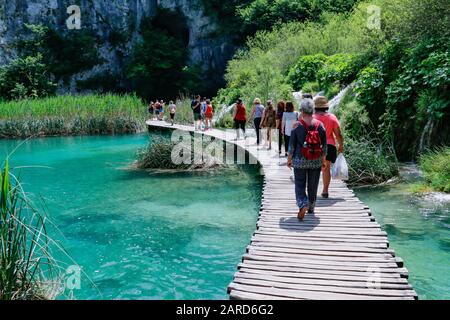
{"type": "Point", "coordinates": [123, 16]}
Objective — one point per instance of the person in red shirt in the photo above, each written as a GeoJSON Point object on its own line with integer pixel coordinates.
{"type": "Point", "coordinates": [333, 128]}
{"type": "Point", "coordinates": [240, 117]}
{"type": "Point", "coordinates": [209, 112]}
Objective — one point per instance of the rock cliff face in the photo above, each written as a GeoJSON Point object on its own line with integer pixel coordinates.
{"type": "Point", "coordinates": [123, 16]}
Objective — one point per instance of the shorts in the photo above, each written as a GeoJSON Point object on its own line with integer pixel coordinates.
{"type": "Point", "coordinates": [197, 116]}
{"type": "Point", "coordinates": [239, 124]}
{"type": "Point", "coordinates": [332, 153]}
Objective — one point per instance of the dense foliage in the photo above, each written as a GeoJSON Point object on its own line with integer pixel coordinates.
{"type": "Point", "coordinates": [400, 70]}
{"type": "Point", "coordinates": [25, 77]}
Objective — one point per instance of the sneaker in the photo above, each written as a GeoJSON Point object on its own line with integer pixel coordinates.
{"type": "Point", "coordinates": [325, 195]}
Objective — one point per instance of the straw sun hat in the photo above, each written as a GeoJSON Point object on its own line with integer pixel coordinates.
{"type": "Point", "coordinates": [321, 103]}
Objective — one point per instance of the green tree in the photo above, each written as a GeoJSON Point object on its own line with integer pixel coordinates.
{"type": "Point", "coordinates": [25, 78]}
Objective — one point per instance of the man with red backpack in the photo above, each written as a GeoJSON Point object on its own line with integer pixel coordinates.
{"type": "Point", "coordinates": [308, 148]}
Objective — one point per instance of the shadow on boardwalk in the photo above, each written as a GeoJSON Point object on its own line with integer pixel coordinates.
{"type": "Point", "coordinates": [294, 225]}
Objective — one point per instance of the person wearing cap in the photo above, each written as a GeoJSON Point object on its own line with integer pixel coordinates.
{"type": "Point", "coordinates": [240, 117]}
{"type": "Point", "coordinates": [306, 171]}
{"type": "Point", "coordinates": [257, 114]}
{"type": "Point", "coordinates": [333, 128]}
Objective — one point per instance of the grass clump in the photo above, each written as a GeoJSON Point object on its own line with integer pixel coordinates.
{"type": "Point", "coordinates": [436, 170]}
{"type": "Point", "coordinates": [27, 268]}
{"type": "Point", "coordinates": [369, 161]}
{"type": "Point", "coordinates": [72, 115]}
{"type": "Point", "coordinates": [161, 150]}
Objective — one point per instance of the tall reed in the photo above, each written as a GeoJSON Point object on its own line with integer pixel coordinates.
{"type": "Point", "coordinates": [27, 268]}
{"type": "Point", "coordinates": [72, 115]}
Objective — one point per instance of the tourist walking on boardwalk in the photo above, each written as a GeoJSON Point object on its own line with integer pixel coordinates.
{"type": "Point", "coordinates": [290, 118]}
{"type": "Point", "coordinates": [151, 110]}
{"type": "Point", "coordinates": [257, 114]}
{"type": "Point", "coordinates": [281, 107]}
{"type": "Point", "coordinates": [331, 123]}
{"type": "Point", "coordinates": [157, 107]}
{"type": "Point", "coordinates": [308, 148]}
{"type": "Point", "coordinates": [269, 122]}
{"type": "Point", "coordinates": [161, 110]}
{"type": "Point", "coordinates": [240, 118]}
{"type": "Point", "coordinates": [197, 110]}
{"type": "Point", "coordinates": [172, 111]}
{"type": "Point", "coordinates": [209, 113]}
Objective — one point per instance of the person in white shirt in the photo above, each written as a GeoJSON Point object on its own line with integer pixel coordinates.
{"type": "Point", "coordinates": [290, 117]}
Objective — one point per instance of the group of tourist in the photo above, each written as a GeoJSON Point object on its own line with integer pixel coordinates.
{"type": "Point", "coordinates": [156, 110]}
{"type": "Point", "coordinates": [310, 139]}
{"type": "Point", "coordinates": [203, 113]}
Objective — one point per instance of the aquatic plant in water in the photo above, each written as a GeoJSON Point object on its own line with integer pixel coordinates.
{"type": "Point", "coordinates": [27, 267]}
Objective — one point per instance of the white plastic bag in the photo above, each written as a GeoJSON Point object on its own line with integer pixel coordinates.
{"type": "Point", "coordinates": [339, 171]}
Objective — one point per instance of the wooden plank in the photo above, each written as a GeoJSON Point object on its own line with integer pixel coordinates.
{"type": "Point", "coordinates": [307, 295]}
{"type": "Point", "coordinates": [328, 282]}
{"type": "Point", "coordinates": [319, 257]}
{"type": "Point", "coordinates": [319, 274]}
{"type": "Point", "coordinates": [274, 265]}
{"type": "Point", "coordinates": [331, 289]}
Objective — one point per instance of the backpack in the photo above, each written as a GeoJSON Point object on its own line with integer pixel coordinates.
{"type": "Point", "coordinates": [312, 148]}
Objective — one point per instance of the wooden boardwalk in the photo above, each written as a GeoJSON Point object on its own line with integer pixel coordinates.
{"type": "Point", "coordinates": [340, 252]}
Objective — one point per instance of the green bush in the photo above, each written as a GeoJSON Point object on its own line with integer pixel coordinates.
{"type": "Point", "coordinates": [436, 169]}
{"type": "Point", "coordinates": [263, 14]}
{"type": "Point", "coordinates": [435, 69]}
{"type": "Point", "coordinates": [311, 87]}
{"type": "Point", "coordinates": [339, 68]}
{"type": "Point", "coordinates": [370, 90]}
{"type": "Point", "coordinates": [306, 70]}
{"type": "Point", "coordinates": [25, 78]}
{"type": "Point", "coordinates": [370, 161]}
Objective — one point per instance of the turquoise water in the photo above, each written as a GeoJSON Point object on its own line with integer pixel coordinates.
{"type": "Point", "coordinates": [136, 235]}
{"type": "Point", "coordinates": [419, 232]}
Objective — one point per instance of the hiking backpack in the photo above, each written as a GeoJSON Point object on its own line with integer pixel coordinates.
{"type": "Point", "coordinates": [312, 149]}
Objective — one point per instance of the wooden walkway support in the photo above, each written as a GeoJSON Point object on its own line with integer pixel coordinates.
{"type": "Point", "coordinates": [338, 253]}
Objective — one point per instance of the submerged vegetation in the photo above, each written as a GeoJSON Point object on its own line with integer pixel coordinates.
{"type": "Point", "coordinates": [72, 115]}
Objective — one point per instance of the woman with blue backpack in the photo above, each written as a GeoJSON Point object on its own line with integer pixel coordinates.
{"type": "Point", "coordinates": [308, 148]}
